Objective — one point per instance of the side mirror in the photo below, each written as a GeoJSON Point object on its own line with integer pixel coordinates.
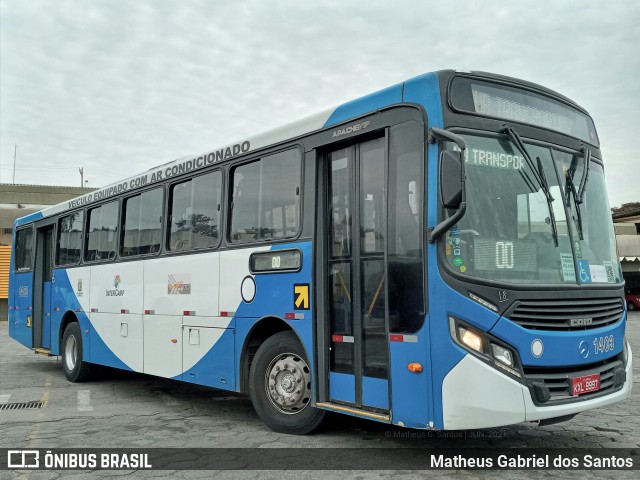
{"type": "Point", "coordinates": [451, 176]}
{"type": "Point", "coordinates": [452, 180]}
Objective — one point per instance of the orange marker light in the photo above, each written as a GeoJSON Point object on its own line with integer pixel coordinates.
{"type": "Point", "coordinates": [174, 340]}
{"type": "Point", "coordinates": [415, 367]}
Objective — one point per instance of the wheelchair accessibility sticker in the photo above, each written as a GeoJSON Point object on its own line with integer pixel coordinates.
{"type": "Point", "coordinates": [584, 273]}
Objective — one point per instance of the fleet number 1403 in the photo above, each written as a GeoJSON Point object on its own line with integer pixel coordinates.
{"type": "Point", "coordinates": [603, 344]}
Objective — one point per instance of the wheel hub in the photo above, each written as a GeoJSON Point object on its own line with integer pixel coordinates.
{"type": "Point", "coordinates": [288, 381]}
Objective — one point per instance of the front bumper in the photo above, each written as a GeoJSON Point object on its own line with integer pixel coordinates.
{"type": "Point", "coordinates": [476, 395]}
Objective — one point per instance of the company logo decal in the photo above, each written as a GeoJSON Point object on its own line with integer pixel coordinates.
{"type": "Point", "coordinates": [351, 129]}
{"type": "Point", "coordinates": [179, 284]}
{"type": "Point", "coordinates": [580, 322]}
{"type": "Point", "coordinates": [24, 290]}
{"type": "Point", "coordinates": [116, 292]}
{"type": "Point", "coordinates": [79, 291]}
{"type": "Point", "coordinates": [23, 459]}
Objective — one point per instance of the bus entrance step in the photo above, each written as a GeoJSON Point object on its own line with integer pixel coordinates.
{"type": "Point", "coordinates": [353, 411]}
{"type": "Point", "coordinates": [42, 351]}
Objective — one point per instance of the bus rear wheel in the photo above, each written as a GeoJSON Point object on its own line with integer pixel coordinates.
{"type": "Point", "coordinates": [74, 368]}
{"type": "Point", "coordinates": [280, 386]}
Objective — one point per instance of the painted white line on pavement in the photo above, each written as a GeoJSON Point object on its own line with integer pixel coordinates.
{"type": "Point", "coordinates": [84, 401]}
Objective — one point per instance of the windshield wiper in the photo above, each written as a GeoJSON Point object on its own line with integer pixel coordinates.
{"type": "Point", "coordinates": [585, 175]}
{"type": "Point", "coordinates": [578, 194]}
{"type": "Point", "coordinates": [538, 174]}
{"type": "Point", "coordinates": [572, 191]}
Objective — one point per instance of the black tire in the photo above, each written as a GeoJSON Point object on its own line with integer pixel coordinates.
{"type": "Point", "coordinates": [285, 408]}
{"type": "Point", "coordinates": [631, 306]}
{"type": "Point", "coordinates": [74, 368]}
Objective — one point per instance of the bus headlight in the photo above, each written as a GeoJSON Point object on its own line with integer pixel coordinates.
{"type": "Point", "coordinates": [471, 339]}
{"type": "Point", "coordinates": [488, 348]}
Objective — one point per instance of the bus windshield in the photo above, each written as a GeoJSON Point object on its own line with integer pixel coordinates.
{"type": "Point", "coordinates": [507, 233]}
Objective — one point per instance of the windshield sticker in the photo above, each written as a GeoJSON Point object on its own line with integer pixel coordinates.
{"type": "Point", "coordinates": [578, 250]}
{"type": "Point", "coordinates": [488, 158]}
{"type": "Point", "coordinates": [453, 240]}
{"type": "Point", "coordinates": [611, 276]}
{"type": "Point", "coordinates": [584, 273]}
{"type": "Point", "coordinates": [568, 268]}
{"type": "Point", "coordinates": [598, 273]}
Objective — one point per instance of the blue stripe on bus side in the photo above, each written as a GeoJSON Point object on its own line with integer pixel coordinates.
{"type": "Point", "coordinates": [274, 294]}
{"type": "Point", "coordinates": [217, 367]}
{"type": "Point", "coordinates": [95, 349]}
{"type": "Point", "coordinates": [28, 218]}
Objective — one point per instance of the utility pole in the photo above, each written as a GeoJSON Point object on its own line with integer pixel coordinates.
{"type": "Point", "coordinates": [81, 170]}
{"type": "Point", "coordinates": [15, 152]}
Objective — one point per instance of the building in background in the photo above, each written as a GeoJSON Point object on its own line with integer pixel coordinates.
{"type": "Point", "coordinates": [17, 201]}
{"type": "Point", "coordinates": [627, 225]}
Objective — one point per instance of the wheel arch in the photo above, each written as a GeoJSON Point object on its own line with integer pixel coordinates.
{"type": "Point", "coordinates": [68, 317]}
{"type": "Point", "coordinates": [263, 329]}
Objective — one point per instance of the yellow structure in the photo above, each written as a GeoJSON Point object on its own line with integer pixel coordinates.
{"type": "Point", "coordinates": [17, 201]}
{"type": "Point", "coordinates": [5, 256]}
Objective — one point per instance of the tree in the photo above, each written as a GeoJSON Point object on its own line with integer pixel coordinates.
{"type": "Point", "coordinates": [625, 207]}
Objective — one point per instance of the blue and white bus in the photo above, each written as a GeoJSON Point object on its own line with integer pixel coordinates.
{"type": "Point", "coordinates": [437, 255]}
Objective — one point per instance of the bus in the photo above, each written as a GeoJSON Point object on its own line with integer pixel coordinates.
{"type": "Point", "coordinates": [435, 255]}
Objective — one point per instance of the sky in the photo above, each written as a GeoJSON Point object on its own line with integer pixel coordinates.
{"type": "Point", "coordinates": [117, 86]}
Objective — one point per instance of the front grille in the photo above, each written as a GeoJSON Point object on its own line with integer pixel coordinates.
{"type": "Point", "coordinates": [580, 314]}
{"type": "Point", "coordinates": [553, 385]}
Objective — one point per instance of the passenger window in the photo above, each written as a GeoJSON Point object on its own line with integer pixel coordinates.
{"type": "Point", "coordinates": [102, 237]}
{"type": "Point", "coordinates": [266, 198]}
{"type": "Point", "coordinates": [142, 223]}
{"type": "Point", "coordinates": [24, 249]}
{"type": "Point", "coordinates": [70, 239]}
{"type": "Point", "coordinates": [195, 212]}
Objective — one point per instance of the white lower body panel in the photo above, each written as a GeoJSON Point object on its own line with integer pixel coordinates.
{"type": "Point", "coordinates": [476, 395]}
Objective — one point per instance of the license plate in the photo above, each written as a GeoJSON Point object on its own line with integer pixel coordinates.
{"type": "Point", "coordinates": [586, 384]}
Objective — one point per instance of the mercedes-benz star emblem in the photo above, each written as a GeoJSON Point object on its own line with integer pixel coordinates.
{"type": "Point", "coordinates": [583, 349]}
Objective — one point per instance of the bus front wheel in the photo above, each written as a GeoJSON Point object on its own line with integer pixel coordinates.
{"type": "Point", "coordinates": [280, 386]}
{"type": "Point", "coordinates": [73, 367]}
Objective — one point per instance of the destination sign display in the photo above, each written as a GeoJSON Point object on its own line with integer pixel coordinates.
{"type": "Point", "coordinates": [522, 105]}
{"type": "Point", "coordinates": [489, 158]}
